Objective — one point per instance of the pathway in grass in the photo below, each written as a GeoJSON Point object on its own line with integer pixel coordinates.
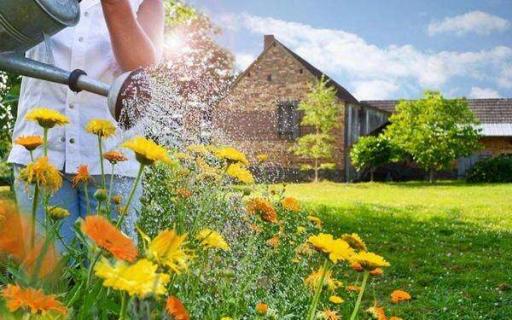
{"type": "Point", "coordinates": [449, 244]}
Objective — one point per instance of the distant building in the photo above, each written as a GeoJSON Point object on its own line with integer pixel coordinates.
{"type": "Point", "coordinates": [259, 115]}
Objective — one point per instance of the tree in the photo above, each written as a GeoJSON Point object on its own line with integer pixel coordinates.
{"type": "Point", "coordinates": [435, 131]}
{"type": "Point", "coordinates": [371, 152]}
{"type": "Point", "coordinates": [321, 112]}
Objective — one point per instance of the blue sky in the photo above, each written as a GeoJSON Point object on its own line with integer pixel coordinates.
{"type": "Point", "coordinates": [382, 49]}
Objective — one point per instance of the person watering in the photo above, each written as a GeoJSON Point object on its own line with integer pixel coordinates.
{"type": "Point", "coordinates": [112, 37]}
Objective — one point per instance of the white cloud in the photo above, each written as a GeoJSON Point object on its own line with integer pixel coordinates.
{"type": "Point", "coordinates": [374, 89]}
{"type": "Point", "coordinates": [505, 78]}
{"type": "Point", "coordinates": [344, 54]}
{"type": "Point", "coordinates": [480, 93]}
{"type": "Point", "coordinates": [477, 22]}
{"type": "Point", "coordinates": [243, 60]}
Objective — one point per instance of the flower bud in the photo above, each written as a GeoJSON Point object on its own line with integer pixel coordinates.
{"type": "Point", "coordinates": [377, 272]}
{"type": "Point", "coordinates": [357, 267]}
{"type": "Point", "coordinates": [58, 213]}
{"type": "Point", "coordinates": [100, 195]}
{"type": "Point", "coordinates": [117, 200]}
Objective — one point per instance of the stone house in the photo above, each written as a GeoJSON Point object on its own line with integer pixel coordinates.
{"type": "Point", "coordinates": [259, 115]}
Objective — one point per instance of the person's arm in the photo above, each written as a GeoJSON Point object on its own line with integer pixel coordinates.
{"type": "Point", "coordinates": [137, 39]}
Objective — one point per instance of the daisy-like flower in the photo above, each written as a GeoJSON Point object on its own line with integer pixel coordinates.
{"type": "Point", "coordinates": [199, 149]}
{"type": "Point", "coordinates": [167, 249]}
{"type": "Point", "coordinates": [81, 176]}
{"type": "Point", "coordinates": [353, 288]}
{"type": "Point", "coordinates": [29, 142]}
{"type": "Point", "coordinates": [398, 296]}
{"type": "Point", "coordinates": [291, 204]}
{"type": "Point", "coordinates": [261, 308]}
{"type": "Point", "coordinates": [336, 299]}
{"type": "Point", "coordinates": [114, 157]}
{"type": "Point", "coordinates": [369, 260]}
{"type": "Point", "coordinates": [109, 238]}
{"type": "Point", "coordinates": [47, 118]}
{"type": "Point", "coordinates": [329, 315]}
{"type": "Point", "coordinates": [231, 155]}
{"type": "Point", "coordinates": [274, 241]}
{"type": "Point", "coordinates": [355, 241]}
{"type": "Point", "coordinates": [42, 173]}
{"type": "Point", "coordinates": [263, 208]}
{"type": "Point", "coordinates": [176, 309]}
{"type": "Point", "coordinates": [147, 151]}
{"type": "Point", "coordinates": [58, 213]}
{"type": "Point", "coordinates": [313, 280]}
{"type": "Point", "coordinates": [101, 128]}
{"type": "Point", "coordinates": [377, 313]}
{"type": "Point", "coordinates": [336, 249]}
{"type": "Point", "coordinates": [184, 193]}
{"type": "Point", "coordinates": [212, 239]}
{"type": "Point", "coordinates": [32, 300]}
{"type": "Point", "coordinates": [139, 279]}
{"type": "Point", "coordinates": [240, 173]}
{"type": "Point", "coordinates": [377, 272]}
{"type": "Point", "coordinates": [262, 157]}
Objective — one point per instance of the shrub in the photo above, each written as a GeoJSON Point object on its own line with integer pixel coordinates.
{"type": "Point", "coordinates": [371, 152]}
{"type": "Point", "coordinates": [497, 169]}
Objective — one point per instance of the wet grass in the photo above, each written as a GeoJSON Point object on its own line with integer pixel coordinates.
{"type": "Point", "coordinates": [450, 244]}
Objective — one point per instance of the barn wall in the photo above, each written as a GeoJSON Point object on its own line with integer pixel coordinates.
{"type": "Point", "coordinates": [247, 118]}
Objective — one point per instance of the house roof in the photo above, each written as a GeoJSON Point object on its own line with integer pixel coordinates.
{"type": "Point", "coordinates": [342, 93]}
{"type": "Point", "coordinates": [495, 115]}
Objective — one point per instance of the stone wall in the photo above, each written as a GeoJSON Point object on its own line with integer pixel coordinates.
{"type": "Point", "coordinates": [247, 117]}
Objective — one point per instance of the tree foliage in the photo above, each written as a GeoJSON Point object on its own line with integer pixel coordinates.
{"type": "Point", "coordinates": [371, 152]}
{"type": "Point", "coordinates": [435, 131]}
{"type": "Point", "coordinates": [321, 112]}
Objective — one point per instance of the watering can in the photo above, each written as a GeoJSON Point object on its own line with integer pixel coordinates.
{"type": "Point", "coordinates": [26, 23]}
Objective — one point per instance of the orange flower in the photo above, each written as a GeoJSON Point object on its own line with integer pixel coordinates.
{"type": "Point", "coordinates": [329, 315]}
{"type": "Point", "coordinates": [43, 260]}
{"type": "Point", "coordinates": [377, 313]}
{"type": "Point", "coordinates": [377, 272]}
{"type": "Point", "coordinates": [184, 193]}
{"type": "Point", "coordinates": [81, 176]}
{"type": "Point", "coordinates": [398, 296]}
{"type": "Point", "coordinates": [108, 237]}
{"type": "Point", "coordinates": [29, 142]}
{"type": "Point", "coordinates": [176, 309]}
{"type": "Point", "coordinates": [261, 309]}
{"type": "Point", "coordinates": [353, 288]}
{"type": "Point", "coordinates": [357, 267]}
{"type": "Point", "coordinates": [114, 157]}
{"type": "Point", "coordinates": [291, 204]}
{"type": "Point", "coordinates": [263, 208]}
{"type": "Point", "coordinates": [31, 299]}
{"type": "Point", "coordinates": [273, 242]}
{"type": "Point", "coordinates": [395, 318]}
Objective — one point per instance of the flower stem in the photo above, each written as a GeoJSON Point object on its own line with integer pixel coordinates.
{"type": "Point", "coordinates": [103, 180]}
{"type": "Point", "coordinates": [124, 307]}
{"type": "Point", "coordinates": [130, 197]}
{"type": "Point", "coordinates": [87, 201]}
{"type": "Point", "coordinates": [318, 291]}
{"type": "Point", "coordinates": [91, 268]}
{"type": "Point", "coordinates": [45, 141]}
{"type": "Point", "coordinates": [34, 213]}
{"type": "Point", "coordinates": [31, 155]}
{"type": "Point", "coordinates": [360, 297]}
{"type": "Point", "coordinates": [110, 187]}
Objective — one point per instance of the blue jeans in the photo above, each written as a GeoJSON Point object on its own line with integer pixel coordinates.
{"type": "Point", "coordinates": [75, 201]}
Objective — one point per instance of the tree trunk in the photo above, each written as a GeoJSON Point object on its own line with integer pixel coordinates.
{"type": "Point", "coordinates": [431, 176]}
{"type": "Point", "coordinates": [316, 170]}
{"type": "Point", "coordinates": [372, 171]}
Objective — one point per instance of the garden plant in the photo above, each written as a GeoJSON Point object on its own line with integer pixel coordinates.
{"type": "Point", "coordinates": [209, 244]}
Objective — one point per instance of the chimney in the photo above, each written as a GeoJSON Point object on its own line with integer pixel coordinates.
{"type": "Point", "coordinates": [268, 40]}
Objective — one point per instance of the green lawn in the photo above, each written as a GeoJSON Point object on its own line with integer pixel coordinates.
{"type": "Point", "coordinates": [450, 244]}
{"type": "Point", "coordinates": [5, 192]}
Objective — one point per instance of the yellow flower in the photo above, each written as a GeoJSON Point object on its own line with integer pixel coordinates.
{"type": "Point", "coordinates": [336, 299]}
{"type": "Point", "coordinates": [139, 279]}
{"type": "Point", "coordinates": [42, 173]}
{"type": "Point", "coordinates": [212, 239]}
{"type": "Point", "coordinates": [329, 315]}
{"type": "Point", "coordinates": [301, 229]}
{"type": "Point", "coordinates": [291, 204]}
{"type": "Point", "coordinates": [147, 151]}
{"type": "Point", "coordinates": [167, 250]}
{"type": "Point", "coordinates": [58, 213]}
{"type": "Point", "coordinates": [336, 249]}
{"type": "Point", "coordinates": [355, 241]}
{"type": "Point", "coordinates": [313, 280]}
{"type": "Point", "coordinates": [226, 318]}
{"type": "Point", "coordinates": [200, 149]}
{"type": "Point", "coordinates": [231, 154]}
{"type": "Point", "coordinates": [262, 157]}
{"type": "Point", "coordinates": [240, 173]}
{"type": "Point", "coordinates": [369, 261]}
{"type": "Point", "coordinates": [316, 221]}
{"type": "Point", "coordinates": [101, 128]}
{"type": "Point", "coordinates": [46, 118]}
{"type": "Point", "coordinates": [29, 142]}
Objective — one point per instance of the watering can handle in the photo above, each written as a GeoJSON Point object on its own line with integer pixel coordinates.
{"type": "Point", "coordinates": [76, 80]}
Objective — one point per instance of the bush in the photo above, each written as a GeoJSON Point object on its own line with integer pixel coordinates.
{"type": "Point", "coordinates": [497, 169]}
{"type": "Point", "coordinates": [371, 152]}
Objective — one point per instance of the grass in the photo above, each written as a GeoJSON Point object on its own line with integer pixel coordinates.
{"type": "Point", "coordinates": [449, 244]}
{"type": "Point", "coordinates": [5, 193]}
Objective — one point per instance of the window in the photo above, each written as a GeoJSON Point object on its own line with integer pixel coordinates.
{"type": "Point", "coordinates": [269, 77]}
{"type": "Point", "coordinates": [301, 71]}
{"type": "Point", "coordinates": [288, 120]}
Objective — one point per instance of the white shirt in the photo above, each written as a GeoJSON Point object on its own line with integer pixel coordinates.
{"type": "Point", "coordinates": [88, 47]}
